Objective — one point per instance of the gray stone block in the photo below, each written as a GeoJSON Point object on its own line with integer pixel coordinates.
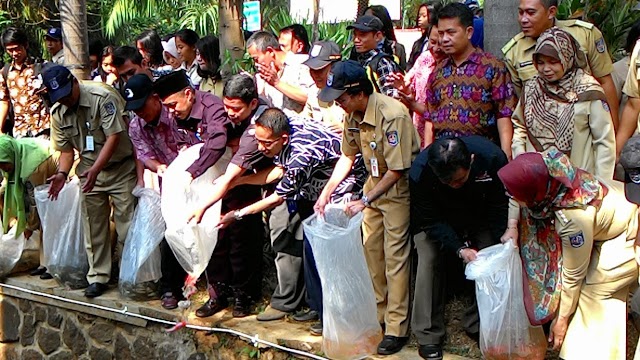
{"type": "Point", "coordinates": [62, 355]}
{"type": "Point", "coordinates": [28, 330]}
{"type": "Point", "coordinates": [54, 319]}
{"type": "Point", "coordinates": [122, 349]}
{"type": "Point", "coordinates": [10, 330]}
{"type": "Point", "coordinates": [99, 354]}
{"type": "Point", "coordinates": [40, 313]}
{"type": "Point", "coordinates": [102, 332]}
{"type": "Point", "coordinates": [31, 354]}
{"type": "Point", "coordinates": [48, 340]}
{"type": "Point", "coordinates": [143, 348]}
{"type": "Point", "coordinates": [73, 338]}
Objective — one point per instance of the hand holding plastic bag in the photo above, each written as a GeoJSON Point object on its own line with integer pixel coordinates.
{"type": "Point", "coordinates": [63, 241]}
{"type": "Point", "coordinates": [350, 326]}
{"type": "Point", "coordinates": [505, 330]}
{"type": "Point", "coordinates": [191, 243]}
{"type": "Point", "coordinates": [11, 247]}
{"type": "Point", "coordinates": [140, 267]}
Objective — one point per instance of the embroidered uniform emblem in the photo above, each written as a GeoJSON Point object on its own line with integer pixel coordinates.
{"type": "Point", "coordinates": [110, 108]}
{"type": "Point", "coordinates": [393, 138]}
{"type": "Point", "coordinates": [576, 240]}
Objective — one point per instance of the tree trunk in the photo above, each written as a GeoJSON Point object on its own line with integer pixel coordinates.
{"type": "Point", "coordinates": [73, 16]}
{"type": "Point", "coordinates": [500, 24]}
{"type": "Point", "coordinates": [231, 33]}
{"type": "Point", "coordinates": [316, 14]}
{"type": "Point", "coordinates": [362, 6]}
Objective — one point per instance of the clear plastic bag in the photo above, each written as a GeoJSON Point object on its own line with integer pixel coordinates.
{"type": "Point", "coordinates": [191, 243]}
{"type": "Point", "coordinates": [11, 248]}
{"type": "Point", "coordinates": [63, 241]}
{"type": "Point", "coordinates": [505, 330]}
{"type": "Point", "coordinates": [140, 267]}
{"type": "Point", "coordinates": [350, 326]}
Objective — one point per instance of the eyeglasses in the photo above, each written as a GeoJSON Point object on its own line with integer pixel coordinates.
{"type": "Point", "coordinates": [267, 143]}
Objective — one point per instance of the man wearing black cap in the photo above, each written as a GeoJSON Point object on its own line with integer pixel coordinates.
{"type": "Point", "coordinates": [88, 118]}
{"type": "Point", "coordinates": [379, 128]}
{"type": "Point", "coordinates": [322, 55]}
{"type": "Point", "coordinates": [53, 40]}
{"type": "Point", "coordinates": [630, 161]}
{"type": "Point", "coordinates": [367, 34]}
{"type": "Point", "coordinates": [157, 140]}
{"type": "Point", "coordinates": [235, 267]}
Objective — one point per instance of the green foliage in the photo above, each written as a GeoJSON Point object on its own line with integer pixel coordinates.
{"type": "Point", "coordinates": [251, 351]}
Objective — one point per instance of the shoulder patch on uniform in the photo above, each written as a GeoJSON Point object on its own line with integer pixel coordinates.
{"type": "Point", "coordinates": [605, 105]}
{"type": "Point", "coordinates": [584, 24]}
{"type": "Point", "coordinates": [600, 45]}
{"type": "Point", "coordinates": [392, 138]}
{"type": "Point", "coordinates": [576, 240]}
{"type": "Point", "coordinates": [110, 108]}
{"type": "Point", "coordinates": [511, 43]}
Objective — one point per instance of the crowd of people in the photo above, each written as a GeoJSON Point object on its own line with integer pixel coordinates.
{"type": "Point", "coordinates": [447, 149]}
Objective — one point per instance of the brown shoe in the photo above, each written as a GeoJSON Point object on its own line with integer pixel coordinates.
{"type": "Point", "coordinates": [211, 307]}
{"type": "Point", "coordinates": [271, 314]}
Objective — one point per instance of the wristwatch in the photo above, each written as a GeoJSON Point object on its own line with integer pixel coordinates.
{"type": "Point", "coordinates": [237, 215]}
{"type": "Point", "coordinates": [459, 252]}
{"type": "Point", "coordinates": [66, 174]}
{"type": "Point", "coordinates": [365, 201]}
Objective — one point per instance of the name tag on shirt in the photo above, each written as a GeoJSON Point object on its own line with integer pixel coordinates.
{"type": "Point", "coordinates": [356, 130]}
{"type": "Point", "coordinates": [375, 171]}
{"type": "Point", "coordinates": [89, 143]}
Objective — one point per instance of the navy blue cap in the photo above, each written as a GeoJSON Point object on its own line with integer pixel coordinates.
{"type": "Point", "coordinates": [322, 54]}
{"type": "Point", "coordinates": [343, 75]}
{"type": "Point", "coordinates": [367, 23]}
{"type": "Point", "coordinates": [171, 83]}
{"type": "Point", "coordinates": [59, 82]}
{"type": "Point", "coordinates": [137, 90]}
{"type": "Point", "coordinates": [472, 4]}
{"type": "Point", "coordinates": [54, 33]}
{"type": "Point", "coordinates": [630, 161]}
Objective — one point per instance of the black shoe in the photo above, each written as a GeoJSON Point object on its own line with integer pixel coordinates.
{"type": "Point", "coordinates": [212, 306]}
{"type": "Point", "coordinates": [391, 344]}
{"type": "Point", "coordinates": [308, 315]}
{"type": "Point", "coordinates": [39, 271]}
{"type": "Point", "coordinates": [95, 290]}
{"type": "Point", "coordinates": [316, 329]}
{"type": "Point", "coordinates": [46, 276]}
{"type": "Point", "coordinates": [242, 307]}
{"type": "Point", "coordinates": [430, 352]}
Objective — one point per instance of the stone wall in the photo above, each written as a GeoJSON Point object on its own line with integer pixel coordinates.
{"type": "Point", "coordinates": [33, 331]}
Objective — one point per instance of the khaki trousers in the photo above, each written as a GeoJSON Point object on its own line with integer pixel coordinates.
{"type": "Point", "coordinates": [113, 186]}
{"type": "Point", "coordinates": [387, 248]}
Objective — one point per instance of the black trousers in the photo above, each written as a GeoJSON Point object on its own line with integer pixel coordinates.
{"type": "Point", "coordinates": [235, 267]}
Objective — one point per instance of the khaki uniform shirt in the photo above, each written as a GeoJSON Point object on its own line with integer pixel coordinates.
{"type": "Point", "coordinates": [323, 112]}
{"type": "Point", "coordinates": [518, 52]}
{"type": "Point", "coordinates": [385, 133]}
{"type": "Point", "coordinates": [99, 114]}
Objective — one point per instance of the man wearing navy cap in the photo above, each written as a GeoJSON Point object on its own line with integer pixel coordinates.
{"type": "Point", "coordinates": [380, 128]}
{"type": "Point", "coordinates": [88, 118]}
{"type": "Point", "coordinates": [53, 40]}
{"type": "Point", "coordinates": [157, 141]}
{"type": "Point", "coordinates": [367, 34]}
{"type": "Point", "coordinates": [230, 272]}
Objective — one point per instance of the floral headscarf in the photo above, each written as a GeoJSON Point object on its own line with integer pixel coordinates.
{"type": "Point", "coordinates": [549, 106]}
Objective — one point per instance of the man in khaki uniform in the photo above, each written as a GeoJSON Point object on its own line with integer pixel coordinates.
{"type": "Point", "coordinates": [535, 17]}
{"type": "Point", "coordinates": [89, 119]}
{"type": "Point", "coordinates": [380, 128]}
{"type": "Point", "coordinates": [629, 120]}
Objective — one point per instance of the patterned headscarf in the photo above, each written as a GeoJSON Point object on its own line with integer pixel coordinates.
{"type": "Point", "coordinates": [545, 182]}
{"type": "Point", "coordinates": [549, 106]}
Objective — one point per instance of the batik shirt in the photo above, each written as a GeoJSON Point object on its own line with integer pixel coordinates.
{"type": "Point", "coordinates": [31, 115]}
{"type": "Point", "coordinates": [470, 98]}
{"type": "Point", "coordinates": [308, 161]}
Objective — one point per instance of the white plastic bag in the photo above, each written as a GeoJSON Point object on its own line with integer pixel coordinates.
{"type": "Point", "coordinates": [63, 234]}
{"type": "Point", "coordinates": [350, 325]}
{"type": "Point", "coordinates": [11, 248]}
{"type": "Point", "coordinates": [140, 267]}
{"type": "Point", "coordinates": [505, 330]}
{"type": "Point", "coordinates": [191, 243]}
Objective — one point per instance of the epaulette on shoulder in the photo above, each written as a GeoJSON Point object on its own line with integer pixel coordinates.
{"type": "Point", "coordinates": [512, 42]}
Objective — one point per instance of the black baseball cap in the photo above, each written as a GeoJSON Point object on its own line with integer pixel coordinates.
{"type": "Point", "coordinates": [322, 54]}
{"type": "Point", "coordinates": [137, 90]}
{"type": "Point", "coordinates": [367, 23]}
{"type": "Point", "coordinates": [343, 75]}
{"type": "Point", "coordinates": [171, 83]}
{"type": "Point", "coordinates": [58, 81]}
{"type": "Point", "coordinates": [54, 33]}
{"type": "Point", "coordinates": [630, 161]}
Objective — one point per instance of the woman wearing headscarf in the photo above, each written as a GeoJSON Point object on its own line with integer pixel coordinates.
{"type": "Point", "coordinates": [25, 164]}
{"type": "Point", "coordinates": [565, 107]}
{"type": "Point", "coordinates": [577, 235]}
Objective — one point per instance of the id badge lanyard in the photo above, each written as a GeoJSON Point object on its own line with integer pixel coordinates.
{"type": "Point", "coordinates": [89, 145]}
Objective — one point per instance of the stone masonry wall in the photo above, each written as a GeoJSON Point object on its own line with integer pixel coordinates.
{"type": "Point", "coordinates": [33, 331]}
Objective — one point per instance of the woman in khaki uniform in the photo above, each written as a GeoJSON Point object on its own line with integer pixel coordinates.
{"type": "Point", "coordinates": [577, 236]}
{"type": "Point", "coordinates": [565, 107]}
{"type": "Point", "coordinates": [25, 164]}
